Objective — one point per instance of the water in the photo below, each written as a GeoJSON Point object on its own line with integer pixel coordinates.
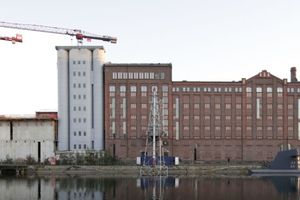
{"type": "Point", "coordinates": [64, 188]}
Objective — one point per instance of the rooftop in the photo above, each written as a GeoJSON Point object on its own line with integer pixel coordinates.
{"type": "Point", "coordinates": [138, 64]}
{"type": "Point", "coordinates": [78, 47]}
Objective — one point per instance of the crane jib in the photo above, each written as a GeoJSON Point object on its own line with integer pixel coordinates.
{"type": "Point", "coordinates": [79, 34]}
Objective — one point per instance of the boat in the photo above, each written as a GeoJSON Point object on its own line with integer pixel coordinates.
{"type": "Point", "coordinates": [286, 163]}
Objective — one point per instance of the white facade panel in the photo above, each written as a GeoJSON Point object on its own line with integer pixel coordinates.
{"type": "Point", "coordinates": [5, 130]}
{"type": "Point", "coordinates": [81, 121]}
{"type": "Point", "coordinates": [98, 61]}
{"type": "Point", "coordinates": [63, 94]}
{"type": "Point", "coordinates": [80, 98]}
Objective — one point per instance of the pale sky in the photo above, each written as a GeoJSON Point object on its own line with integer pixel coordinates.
{"type": "Point", "coordinates": [205, 40]}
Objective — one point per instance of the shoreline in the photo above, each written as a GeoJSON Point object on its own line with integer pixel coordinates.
{"type": "Point", "coordinates": [134, 171]}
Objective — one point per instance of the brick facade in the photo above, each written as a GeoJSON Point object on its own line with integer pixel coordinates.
{"type": "Point", "coordinates": [249, 120]}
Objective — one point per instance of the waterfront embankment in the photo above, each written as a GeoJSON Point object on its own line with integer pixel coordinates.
{"type": "Point", "coordinates": [125, 170]}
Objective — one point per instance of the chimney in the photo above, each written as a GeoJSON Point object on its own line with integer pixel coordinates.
{"type": "Point", "coordinates": [293, 74]}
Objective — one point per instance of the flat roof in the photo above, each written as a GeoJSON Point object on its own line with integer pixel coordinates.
{"type": "Point", "coordinates": [78, 47]}
{"type": "Point", "coordinates": [208, 82]}
{"type": "Point", "coordinates": [138, 64]}
{"type": "Point", "coordinates": [25, 118]}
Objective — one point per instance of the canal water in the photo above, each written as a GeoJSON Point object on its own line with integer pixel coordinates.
{"type": "Point", "coordinates": [173, 188]}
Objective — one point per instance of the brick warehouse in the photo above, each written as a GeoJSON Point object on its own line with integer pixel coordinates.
{"type": "Point", "coordinates": [247, 120]}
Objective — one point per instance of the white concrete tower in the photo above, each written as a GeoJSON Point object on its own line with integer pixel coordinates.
{"type": "Point", "coordinates": [80, 97]}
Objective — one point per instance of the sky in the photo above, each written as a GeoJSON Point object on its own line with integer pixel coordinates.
{"type": "Point", "coordinates": [205, 40]}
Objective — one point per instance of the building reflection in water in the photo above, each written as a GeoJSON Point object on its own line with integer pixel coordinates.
{"type": "Point", "coordinates": [155, 186]}
{"type": "Point", "coordinates": [208, 188]}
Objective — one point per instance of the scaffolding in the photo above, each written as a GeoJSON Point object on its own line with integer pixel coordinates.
{"type": "Point", "coordinates": [152, 161]}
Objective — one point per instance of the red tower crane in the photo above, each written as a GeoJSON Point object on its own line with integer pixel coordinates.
{"type": "Point", "coordinates": [18, 38]}
{"type": "Point", "coordinates": [79, 34]}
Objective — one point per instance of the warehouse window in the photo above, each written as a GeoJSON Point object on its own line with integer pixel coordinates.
{"type": "Point", "coordinates": [132, 88]}
{"type": "Point", "coordinates": [259, 89]}
{"type": "Point", "coordinates": [177, 131]}
{"type": "Point", "coordinates": [258, 108]}
{"type": "Point", "coordinates": [113, 108]}
{"type": "Point", "coordinates": [124, 128]}
{"type": "Point", "coordinates": [151, 75]}
{"type": "Point", "coordinates": [123, 105]}
{"type": "Point", "coordinates": [228, 106]}
{"type": "Point", "coordinates": [165, 88]}
{"type": "Point", "coordinates": [141, 75]}
{"type": "Point", "coordinates": [120, 75]}
{"type": "Point", "coordinates": [177, 107]}
{"type": "Point", "coordinates": [124, 75]}
{"type": "Point", "coordinates": [122, 88]}
{"type": "Point", "coordinates": [269, 89]}
{"type": "Point", "coordinates": [130, 74]}
{"type": "Point", "coordinates": [113, 127]}
{"type": "Point", "coordinates": [298, 130]}
{"type": "Point", "coordinates": [298, 108]}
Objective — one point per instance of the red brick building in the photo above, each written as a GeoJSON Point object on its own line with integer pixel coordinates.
{"type": "Point", "coordinates": [249, 120]}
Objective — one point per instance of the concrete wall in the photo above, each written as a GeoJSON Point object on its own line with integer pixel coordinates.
{"type": "Point", "coordinates": [98, 61]}
{"type": "Point", "coordinates": [25, 137]}
{"type": "Point", "coordinates": [63, 98]}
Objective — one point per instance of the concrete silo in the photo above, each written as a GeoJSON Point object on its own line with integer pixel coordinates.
{"type": "Point", "coordinates": [80, 97]}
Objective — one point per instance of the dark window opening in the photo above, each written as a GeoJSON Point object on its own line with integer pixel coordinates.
{"type": "Point", "coordinates": [11, 130]}
{"type": "Point", "coordinates": [39, 152]}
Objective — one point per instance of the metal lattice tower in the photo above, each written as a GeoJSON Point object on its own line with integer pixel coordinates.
{"type": "Point", "coordinates": [153, 163]}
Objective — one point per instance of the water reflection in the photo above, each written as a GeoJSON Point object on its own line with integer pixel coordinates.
{"type": "Point", "coordinates": [206, 188]}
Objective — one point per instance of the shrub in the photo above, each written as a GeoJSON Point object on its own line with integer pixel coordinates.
{"type": "Point", "coordinates": [30, 160]}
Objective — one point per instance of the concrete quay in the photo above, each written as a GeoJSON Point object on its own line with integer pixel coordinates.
{"type": "Point", "coordinates": [134, 171]}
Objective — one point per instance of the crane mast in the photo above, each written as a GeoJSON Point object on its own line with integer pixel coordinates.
{"type": "Point", "coordinates": [17, 38]}
{"type": "Point", "coordinates": [79, 34]}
